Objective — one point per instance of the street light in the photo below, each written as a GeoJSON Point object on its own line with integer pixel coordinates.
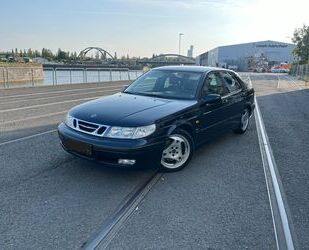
{"type": "Point", "coordinates": [180, 34]}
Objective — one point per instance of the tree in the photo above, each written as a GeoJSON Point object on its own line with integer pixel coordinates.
{"type": "Point", "coordinates": [36, 53]}
{"type": "Point", "coordinates": [61, 55]}
{"type": "Point", "coordinates": [301, 40]}
{"type": "Point", "coordinates": [29, 53]}
{"type": "Point", "coordinates": [48, 54]}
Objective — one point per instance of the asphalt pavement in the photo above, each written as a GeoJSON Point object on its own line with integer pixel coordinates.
{"type": "Point", "coordinates": [285, 111]}
{"type": "Point", "coordinates": [53, 200]}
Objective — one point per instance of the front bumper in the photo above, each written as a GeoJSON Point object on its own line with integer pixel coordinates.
{"type": "Point", "coordinates": [146, 153]}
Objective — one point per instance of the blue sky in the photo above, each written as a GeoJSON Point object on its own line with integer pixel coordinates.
{"type": "Point", "coordinates": [143, 27]}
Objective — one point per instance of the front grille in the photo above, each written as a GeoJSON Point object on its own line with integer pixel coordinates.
{"type": "Point", "coordinates": [89, 127]}
{"type": "Point", "coordinates": [101, 130]}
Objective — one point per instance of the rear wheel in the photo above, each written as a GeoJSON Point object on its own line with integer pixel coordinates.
{"type": "Point", "coordinates": [243, 123]}
{"type": "Point", "coordinates": [178, 151]}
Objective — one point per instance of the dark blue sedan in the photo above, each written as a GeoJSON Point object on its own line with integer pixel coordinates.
{"type": "Point", "coordinates": [160, 118]}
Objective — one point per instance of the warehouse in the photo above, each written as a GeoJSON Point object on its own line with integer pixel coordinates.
{"type": "Point", "coordinates": [255, 56]}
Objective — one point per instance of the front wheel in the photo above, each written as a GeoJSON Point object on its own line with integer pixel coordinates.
{"type": "Point", "coordinates": [243, 123]}
{"type": "Point", "coordinates": [178, 151]}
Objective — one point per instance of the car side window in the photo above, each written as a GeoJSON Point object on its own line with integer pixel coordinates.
{"type": "Point", "coordinates": [231, 81]}
{"type": "Point", "coordinates": [214, 85]}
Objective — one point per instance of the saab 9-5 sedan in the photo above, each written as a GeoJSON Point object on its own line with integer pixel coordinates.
{"type": "Point", "coordinates": [159, 119]}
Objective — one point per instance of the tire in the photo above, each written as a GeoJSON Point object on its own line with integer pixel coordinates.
{"type": "Point", "coordinates": [244, 122]}
{"type": "Point", "coordinates": [178, 151]}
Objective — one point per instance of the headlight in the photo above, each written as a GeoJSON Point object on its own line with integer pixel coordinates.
{"type": "Point", "coordinates": [69, 121]}
{"type": "Point", "coordinates": [131, 133]}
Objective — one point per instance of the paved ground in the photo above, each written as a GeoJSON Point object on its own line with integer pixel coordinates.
{"type": "Point", "coordinates": [286, 116]}
{"type": "Point", "coordinates": [52, 200]}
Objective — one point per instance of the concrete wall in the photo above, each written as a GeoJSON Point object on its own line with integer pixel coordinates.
{"type": "Point", "coordinates": [21, 74]}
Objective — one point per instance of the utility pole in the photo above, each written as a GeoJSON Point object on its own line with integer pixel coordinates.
{"type": "Point", "coordinates": [180, 34]}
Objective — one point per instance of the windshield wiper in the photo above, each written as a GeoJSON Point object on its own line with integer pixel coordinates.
{"type": "Point", "coordinates": [152, 95]}
{"type": "Point", "coordinates": [142, 94]}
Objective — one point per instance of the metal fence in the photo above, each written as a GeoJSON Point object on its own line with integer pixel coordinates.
{"type": "Point", "coordinates": [301, 71]}
{"type": "Point", "coordinates": [57, 76]}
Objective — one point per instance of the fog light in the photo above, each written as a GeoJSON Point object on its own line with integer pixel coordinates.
{"type": "Point", "coordinates": [126, 161]}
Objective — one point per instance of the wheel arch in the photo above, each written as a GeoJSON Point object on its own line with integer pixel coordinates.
{"type": "Point", "coordinates": [248, 106]}
{"type": "Point", "coordinates": [184, 126]}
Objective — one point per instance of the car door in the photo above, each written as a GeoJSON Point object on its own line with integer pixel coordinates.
{"type": "Point", "coordinates": [235, 100]}
{"type": "Point", "coordinates": [213, 117]}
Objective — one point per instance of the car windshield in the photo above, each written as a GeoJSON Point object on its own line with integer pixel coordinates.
{"type": "Point", "coordinates": [166, 84]}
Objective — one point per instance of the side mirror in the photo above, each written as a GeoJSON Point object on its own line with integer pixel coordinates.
{"type": "Point", "coordinates": [212, 100]}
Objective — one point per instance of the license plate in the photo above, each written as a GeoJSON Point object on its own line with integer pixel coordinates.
{"type": "Point", "coordinates": [78, 147]}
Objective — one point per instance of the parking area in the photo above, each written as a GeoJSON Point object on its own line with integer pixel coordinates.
{"type": "Point", "coordinates": [50, 199]}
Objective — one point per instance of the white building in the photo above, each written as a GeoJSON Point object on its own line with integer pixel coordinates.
{"type": "Point", "coordinates": [190, 51]}
{"type": "Point", "coordinates": [247, 55]}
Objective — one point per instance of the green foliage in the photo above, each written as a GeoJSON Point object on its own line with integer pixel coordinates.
{"type": "Point", "coordinates": [47, 54]}
{"type": "Point", "coordinates": [62, 55]}
{"type": "Point", "coordinates": [301, 39]}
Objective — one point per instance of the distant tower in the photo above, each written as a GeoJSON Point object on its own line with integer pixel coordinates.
{"type": "Point", "coordinates": [190, 51]}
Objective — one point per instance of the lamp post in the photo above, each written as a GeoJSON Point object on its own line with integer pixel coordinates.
{"type": "Point", "coordinates": [180, 34]}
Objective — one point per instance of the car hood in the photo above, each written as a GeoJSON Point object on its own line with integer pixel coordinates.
{"type": "Point", "coordinates": [123, 109]}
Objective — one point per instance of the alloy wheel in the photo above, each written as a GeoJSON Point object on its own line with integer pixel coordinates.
{"type": "Point", "coordinates": [176, 153]}
{"type": "Point", "coordinates": [244, 120]}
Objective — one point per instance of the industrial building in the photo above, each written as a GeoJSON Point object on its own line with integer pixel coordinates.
{"type": "Point", "coordinates": [255, 56]}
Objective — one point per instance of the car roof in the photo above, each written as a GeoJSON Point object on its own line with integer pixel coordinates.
{"type": "Point", "coordinates": [202, 69]}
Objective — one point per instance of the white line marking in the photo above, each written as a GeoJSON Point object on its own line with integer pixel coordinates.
{"type": "Point", "coordinates": [271, 164]}
{"type": "Point", "coordinates": [27, 137]}
{"type": "Point", "coordinates": [53, 97]}
{"type": "Point", "coordinates": [58, 91]}
{"type": "Point", "coordinates": [33, 117]}
{"type": "Point", "coordinates": [278, 83]}
{"type": "Point", "coordinates": [53, 103]}
{"type": "Point", "coordinates": [46, 104]}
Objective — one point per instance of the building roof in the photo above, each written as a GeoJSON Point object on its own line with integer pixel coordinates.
{"type": "Point", "coordinates": [265, 41]}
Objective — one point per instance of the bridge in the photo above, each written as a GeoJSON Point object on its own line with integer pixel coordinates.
{"type": "Point", "coordinates": [159, 60]}
{"type": "Point", "coordinates": [103, 52]}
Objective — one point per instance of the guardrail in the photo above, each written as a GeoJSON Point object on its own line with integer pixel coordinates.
{"type": "Point", "coordinates": [56, 76]}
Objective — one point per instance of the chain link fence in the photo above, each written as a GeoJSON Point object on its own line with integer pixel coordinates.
{"type": "Point", "coordinates": [301, 71]}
